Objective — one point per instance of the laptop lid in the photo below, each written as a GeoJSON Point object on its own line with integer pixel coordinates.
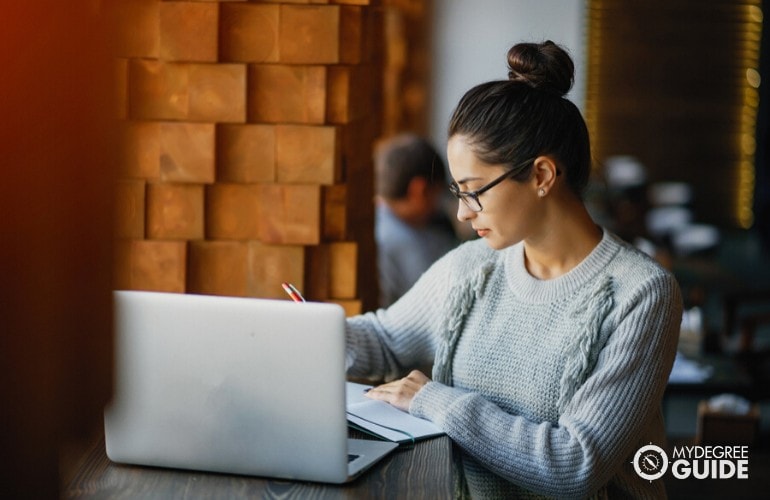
{"type": "Point", "coordinates": [224, 384]}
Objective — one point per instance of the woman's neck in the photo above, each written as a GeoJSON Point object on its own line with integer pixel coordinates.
{"type": "Point", "coordinates": [568, 236]}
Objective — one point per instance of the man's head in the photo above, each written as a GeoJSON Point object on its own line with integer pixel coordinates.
{"type": "Point", "coordinates": [400, 159]}
{"type": "Point", "coordinates": [409, 177]}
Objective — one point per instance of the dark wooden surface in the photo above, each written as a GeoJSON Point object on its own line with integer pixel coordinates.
{"type": "Point", "coordinates": [424, 471]}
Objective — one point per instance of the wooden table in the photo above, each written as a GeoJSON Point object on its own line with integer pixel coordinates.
{"type": "Point", "coordinates": [424, 471]}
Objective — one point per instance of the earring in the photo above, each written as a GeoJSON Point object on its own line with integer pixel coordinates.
{"type": "Point", "coordinates": [541, 192]}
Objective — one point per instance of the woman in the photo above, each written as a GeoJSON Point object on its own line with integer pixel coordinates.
{"type": "Point", "coordinates": [552, 339]}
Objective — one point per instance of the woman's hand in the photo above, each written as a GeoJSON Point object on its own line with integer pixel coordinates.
{"type": "Point", "coordinates": [400, 393]}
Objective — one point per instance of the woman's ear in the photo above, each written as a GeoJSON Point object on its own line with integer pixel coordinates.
{"type": "Point", "coordinates": [545, 171]}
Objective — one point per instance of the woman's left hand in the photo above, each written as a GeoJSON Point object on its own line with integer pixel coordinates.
{"type": "Point", "coordinates": [400, 393]}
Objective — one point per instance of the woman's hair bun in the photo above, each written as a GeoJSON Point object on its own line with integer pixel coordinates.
{"type": "Point", "coordinates": [544, 66]}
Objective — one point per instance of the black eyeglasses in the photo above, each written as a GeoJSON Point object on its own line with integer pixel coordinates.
{"type": "Point", "coordinates": [471, 198]}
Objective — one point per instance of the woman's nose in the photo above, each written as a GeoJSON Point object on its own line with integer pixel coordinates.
{"type": "Point", "coordinates": [463, 212]}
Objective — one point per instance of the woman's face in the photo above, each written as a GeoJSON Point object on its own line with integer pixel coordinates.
{"type": "Point", "coordinates": [508, 209]}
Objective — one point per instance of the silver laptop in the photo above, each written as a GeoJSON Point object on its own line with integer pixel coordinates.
{"type": "Point", "coordinates": [233, 385]}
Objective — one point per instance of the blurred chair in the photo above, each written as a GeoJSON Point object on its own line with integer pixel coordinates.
{"type": "Point", "coordinates": [628, 204]}
{"type": "Point", "coordinates": [663, 221]}
{"type": "Point", "coordinates": [672, 219]}
{"type": "Point", "coordinates": [746, 314]}
{"type": "Point", "coordinates": [694, 238]}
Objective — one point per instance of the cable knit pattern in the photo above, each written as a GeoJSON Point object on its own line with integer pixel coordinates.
{"type": "Point", "coordinates": [460, 301]}
{"type": "Point", "coordinates": [546, 387]}
{"type": "Point", "coordinates": [589, 314]}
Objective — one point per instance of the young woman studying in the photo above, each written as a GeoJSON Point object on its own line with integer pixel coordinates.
{"type": "Point", "coordinates": [551, 338]}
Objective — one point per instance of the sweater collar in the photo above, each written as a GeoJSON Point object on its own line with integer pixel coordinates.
{"type": "Point", "coordinates": [530, 289]}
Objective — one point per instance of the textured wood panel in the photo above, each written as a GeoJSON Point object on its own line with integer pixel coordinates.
{"type": "Point", "coordinates": [343, 270]}
{"type": "Point", "coordinates": [246, 137]}
{"type": "Point", "coordinates": [246, 153]}
{"type": "Point", "coordinates": [189, 31]}
{"type": "Point", "coordinates": [232, 211]}
{"type": "Point", "coordinates": [307, 154]}
{"type": "Point", "coordinates": [287, 94]}
{"type": "Point", "coordinates": [129, 203]}
{"type": "Point", "coordinates": [218, 268]}
{"type": "Point", "coordinates": [187, 152]}
{"type": "Point", "coordinates": [249, 33]}
{"type": "Point", "coordinates": [175, 211]}
{"type": "Point", "coordinates": [187, 91]}
{"type": "Point", "coordinates": [151, 265]}
{"type": "Point", "coordinates": [271, 265]}
{"type": "Point", "coordinates": [293, 214]}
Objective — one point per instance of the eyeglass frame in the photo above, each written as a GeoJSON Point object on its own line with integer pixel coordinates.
{"type": "Point", "coordinates": [463, 196]}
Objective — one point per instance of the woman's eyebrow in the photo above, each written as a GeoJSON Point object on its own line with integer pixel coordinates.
{"type": "Point", "coordinates": [465, 180]}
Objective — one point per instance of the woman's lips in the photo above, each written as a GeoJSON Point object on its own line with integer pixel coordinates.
{"type": "Point", "coordinates": [482, 232]}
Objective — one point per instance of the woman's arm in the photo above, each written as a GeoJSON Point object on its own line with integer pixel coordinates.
{"type": "Point", "coordinates": [388, 342]}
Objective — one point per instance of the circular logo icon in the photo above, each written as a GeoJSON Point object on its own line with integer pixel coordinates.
{"type": "Point", "coordinates": [650, 462]}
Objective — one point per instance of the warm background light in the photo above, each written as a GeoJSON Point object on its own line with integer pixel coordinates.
{"type": "Point", "coordinates": [675, 85]}
{"type": "Point", "coordinates": [55, 236]}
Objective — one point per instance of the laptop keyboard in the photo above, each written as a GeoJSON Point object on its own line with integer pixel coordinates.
{"type": "Point", "coordinates": [352, 457]}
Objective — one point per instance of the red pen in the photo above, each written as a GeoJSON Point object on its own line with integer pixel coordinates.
{"type": "Point", "coordinates": [293, 292]}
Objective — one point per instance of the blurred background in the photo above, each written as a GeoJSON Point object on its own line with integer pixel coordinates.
{"type": "Point", "coordinates": [223, 147]}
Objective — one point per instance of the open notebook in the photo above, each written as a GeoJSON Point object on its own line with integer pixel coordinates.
{"type": "Point", "coordinates": [234, 385]}
{"type": "Point", "coordinates": [384, 420]}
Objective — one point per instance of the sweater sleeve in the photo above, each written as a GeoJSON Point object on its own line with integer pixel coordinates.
{"type": "Point", "coordinates": [388, 342]}
{"type": "Point", "coordinates": [600, 425]}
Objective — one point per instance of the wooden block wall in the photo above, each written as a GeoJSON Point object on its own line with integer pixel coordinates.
{"type": "Point", "coordinates": [246, 139]}
{"type": "Point", "coordinates": [406, 74]}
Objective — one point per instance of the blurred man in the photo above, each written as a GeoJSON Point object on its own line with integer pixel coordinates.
{"type": "Point", "coordinates": [410, 228]}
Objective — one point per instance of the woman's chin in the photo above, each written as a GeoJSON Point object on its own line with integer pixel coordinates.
{"type": "Point", "coordinates": [498, 243]}
{"type": "Point", "coordinates": [495, 244]}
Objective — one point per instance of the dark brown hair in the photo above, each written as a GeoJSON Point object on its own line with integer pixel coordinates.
{"type": "Point", "coordinates": [399, 159]}
{"type": "Point", "coordinates": [511, 121]}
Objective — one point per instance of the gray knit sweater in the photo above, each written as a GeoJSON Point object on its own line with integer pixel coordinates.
{"type": "Point", "coordinates": [547, 387]}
